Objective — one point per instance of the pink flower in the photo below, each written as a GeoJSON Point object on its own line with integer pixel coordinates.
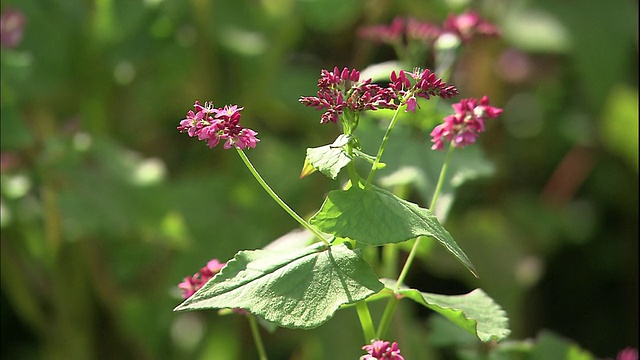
{"type": "Point", "coordinates": [469, 24]}
{"type": "Point", "coordinates": [628, 354]}
{"type": "Point", "coordinates": [380, 350]}
{"type": "Point", "coordinates": [463, 127]}
{"type": "Point", "coordinates": [423, 31]}
{"type": "Point", "coordinates": [212, 124]}
{"type": "Point", "coordinates": [11, 27]}
{"type": "Point", "coordinates": [412, 103]}
{"type": "Point", "coordinates": [387, 34]}
{"type": "Point", "coordinates": [399, 30]}
{"type": "Point", "coordinates": [425, 85]}
{"type": "Point", "coordinates": [404, 30]}
{"type": "Point", "coordinates": [191, 284]}
{"type": "Point", "coordinates": [341, 91]}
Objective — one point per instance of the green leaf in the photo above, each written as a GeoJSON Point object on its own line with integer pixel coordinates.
{"type": "Point", "coordinates": [413, 166]}
{"type": "Point", "coordinates": [295, 289]}
{"type": "Point", "coordinates": [375, 216]}
{"type": "Point", "coordinates": [475, 312]}
{"type": "Point", "coordinates": [328, 159]}
{"type": "Point", "coordinates": [619, 127]}
{"type": "Point", "coordinates": [549, 345]}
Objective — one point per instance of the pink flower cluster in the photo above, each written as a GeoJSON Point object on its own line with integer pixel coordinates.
{"type": "Point", "coordinates": [469, 24]}
{"type": "Point", "coordinates": [465, 26]}
{"type": "Point", "coordinates": [381, 350]}
{"type": "Point", "coordinates": [341, 91]}
{"type": "Point", "coordinates": [214, 124]}
{"type": "Point", "coordinates": [191, 284]}
{"type": "Point", "coordinates": [463, 127]}
{"type": "Point", "coordinates": [426, 84]}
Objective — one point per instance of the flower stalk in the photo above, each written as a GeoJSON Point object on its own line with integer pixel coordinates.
{"type": "Point", "coordinates": [278, 200]}
{"type": "Point", "coordinates": [257, 338]}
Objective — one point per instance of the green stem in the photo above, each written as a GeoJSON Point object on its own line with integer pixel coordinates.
{"type": "Point", "coordinates": [393, 301]}
{"type": "Point", "coordinates": [262, 354]}
{"type": "Point", "coordinates": [387, 134]}
{"type": "Point", "coordinates": [351, 167]}
{"type": "Point", "coordinates": [390, 260]}
{"type": "Point", "coordinates": [436, 193]}
{"type": "Point", "coordinates": [365, 321]}
{"type": "Point", "coordinates": [278, 200]}
{"type": "Point", "coordinates": [387, 316]}
{"type": "Point", "coordinates": [441, 177]}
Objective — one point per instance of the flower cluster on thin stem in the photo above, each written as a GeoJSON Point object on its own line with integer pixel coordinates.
{"type": "Point", "coordinates": [382, 350]}
{"type": "Point", "coordinates": [403, 30]}
{"type": "Point", "coordinates": [462, 128]}
{"type": "Point", "coordinates": [212, 124]}
{"type": "Point", "coordinates": [426, 84]}
{"type": "Point", "coordinates": [341, 91]}
{"type": "Point", "coordinates": [469, 25]}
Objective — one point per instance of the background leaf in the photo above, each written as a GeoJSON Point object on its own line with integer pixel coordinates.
{"type": "Point", "coordinates": [123, 73]}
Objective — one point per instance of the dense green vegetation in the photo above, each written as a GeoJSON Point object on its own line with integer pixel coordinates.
{"type": "Point", "coordinates": [106, 207]}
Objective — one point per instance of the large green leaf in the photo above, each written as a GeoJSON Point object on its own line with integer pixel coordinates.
{"type": "Point", "coordinates": [375, 216]}
{"type": "Point", "coordinates": [475, 312]}
{"type": "Point", "coordinates": [295, 289]}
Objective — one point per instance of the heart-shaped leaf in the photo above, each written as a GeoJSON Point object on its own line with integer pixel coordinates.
{"type": "Point", "coordinates": [375, 216]}
{"type": "Point", "coordinates": [296, 289]}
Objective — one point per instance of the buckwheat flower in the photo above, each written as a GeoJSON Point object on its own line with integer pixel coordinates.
{"type": "Point", "coordinates": [212, 125]}
{"type": "Point", "coordinates": [469, 24]}
{"type": "Point", "coordinates": [191, 284]}
{"type": "Point", "coordinates": [386, 34]}
{"type": "Point", "coordinates": [341, 91]}
{"type": "Point", "coordinates": [381, 350]}
{"type": "Point", "coordinates": [423, 31]}
{"type": "Point", "coordinates": [425, 84]}
{"type": "Point", "coordinates": [431, 85]}
{"type": "Point", "coordinates": [12, 23]}
{"type": "Point", "coordinates": [401, 30]}
{"type": "Point", "coordinates": [412, 103]}
{"type": "Point", "coordinates": [462, 128]}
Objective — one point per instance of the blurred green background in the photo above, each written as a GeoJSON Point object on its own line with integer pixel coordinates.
{"type": "Point", "coordinates": [106, 207]}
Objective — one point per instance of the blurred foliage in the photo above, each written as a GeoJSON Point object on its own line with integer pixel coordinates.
{"type": "Point", "coordinates": [105, 207]}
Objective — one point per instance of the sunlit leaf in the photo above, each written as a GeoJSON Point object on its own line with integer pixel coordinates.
{"type": "Point", "coordinates": [295, 289]}
{"type": "Point", "coordinates": [375, 216]}
{"type": "Point", "coordinates": [328, 159]}
{"type": "Point", "coordinates": [475, 312]}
